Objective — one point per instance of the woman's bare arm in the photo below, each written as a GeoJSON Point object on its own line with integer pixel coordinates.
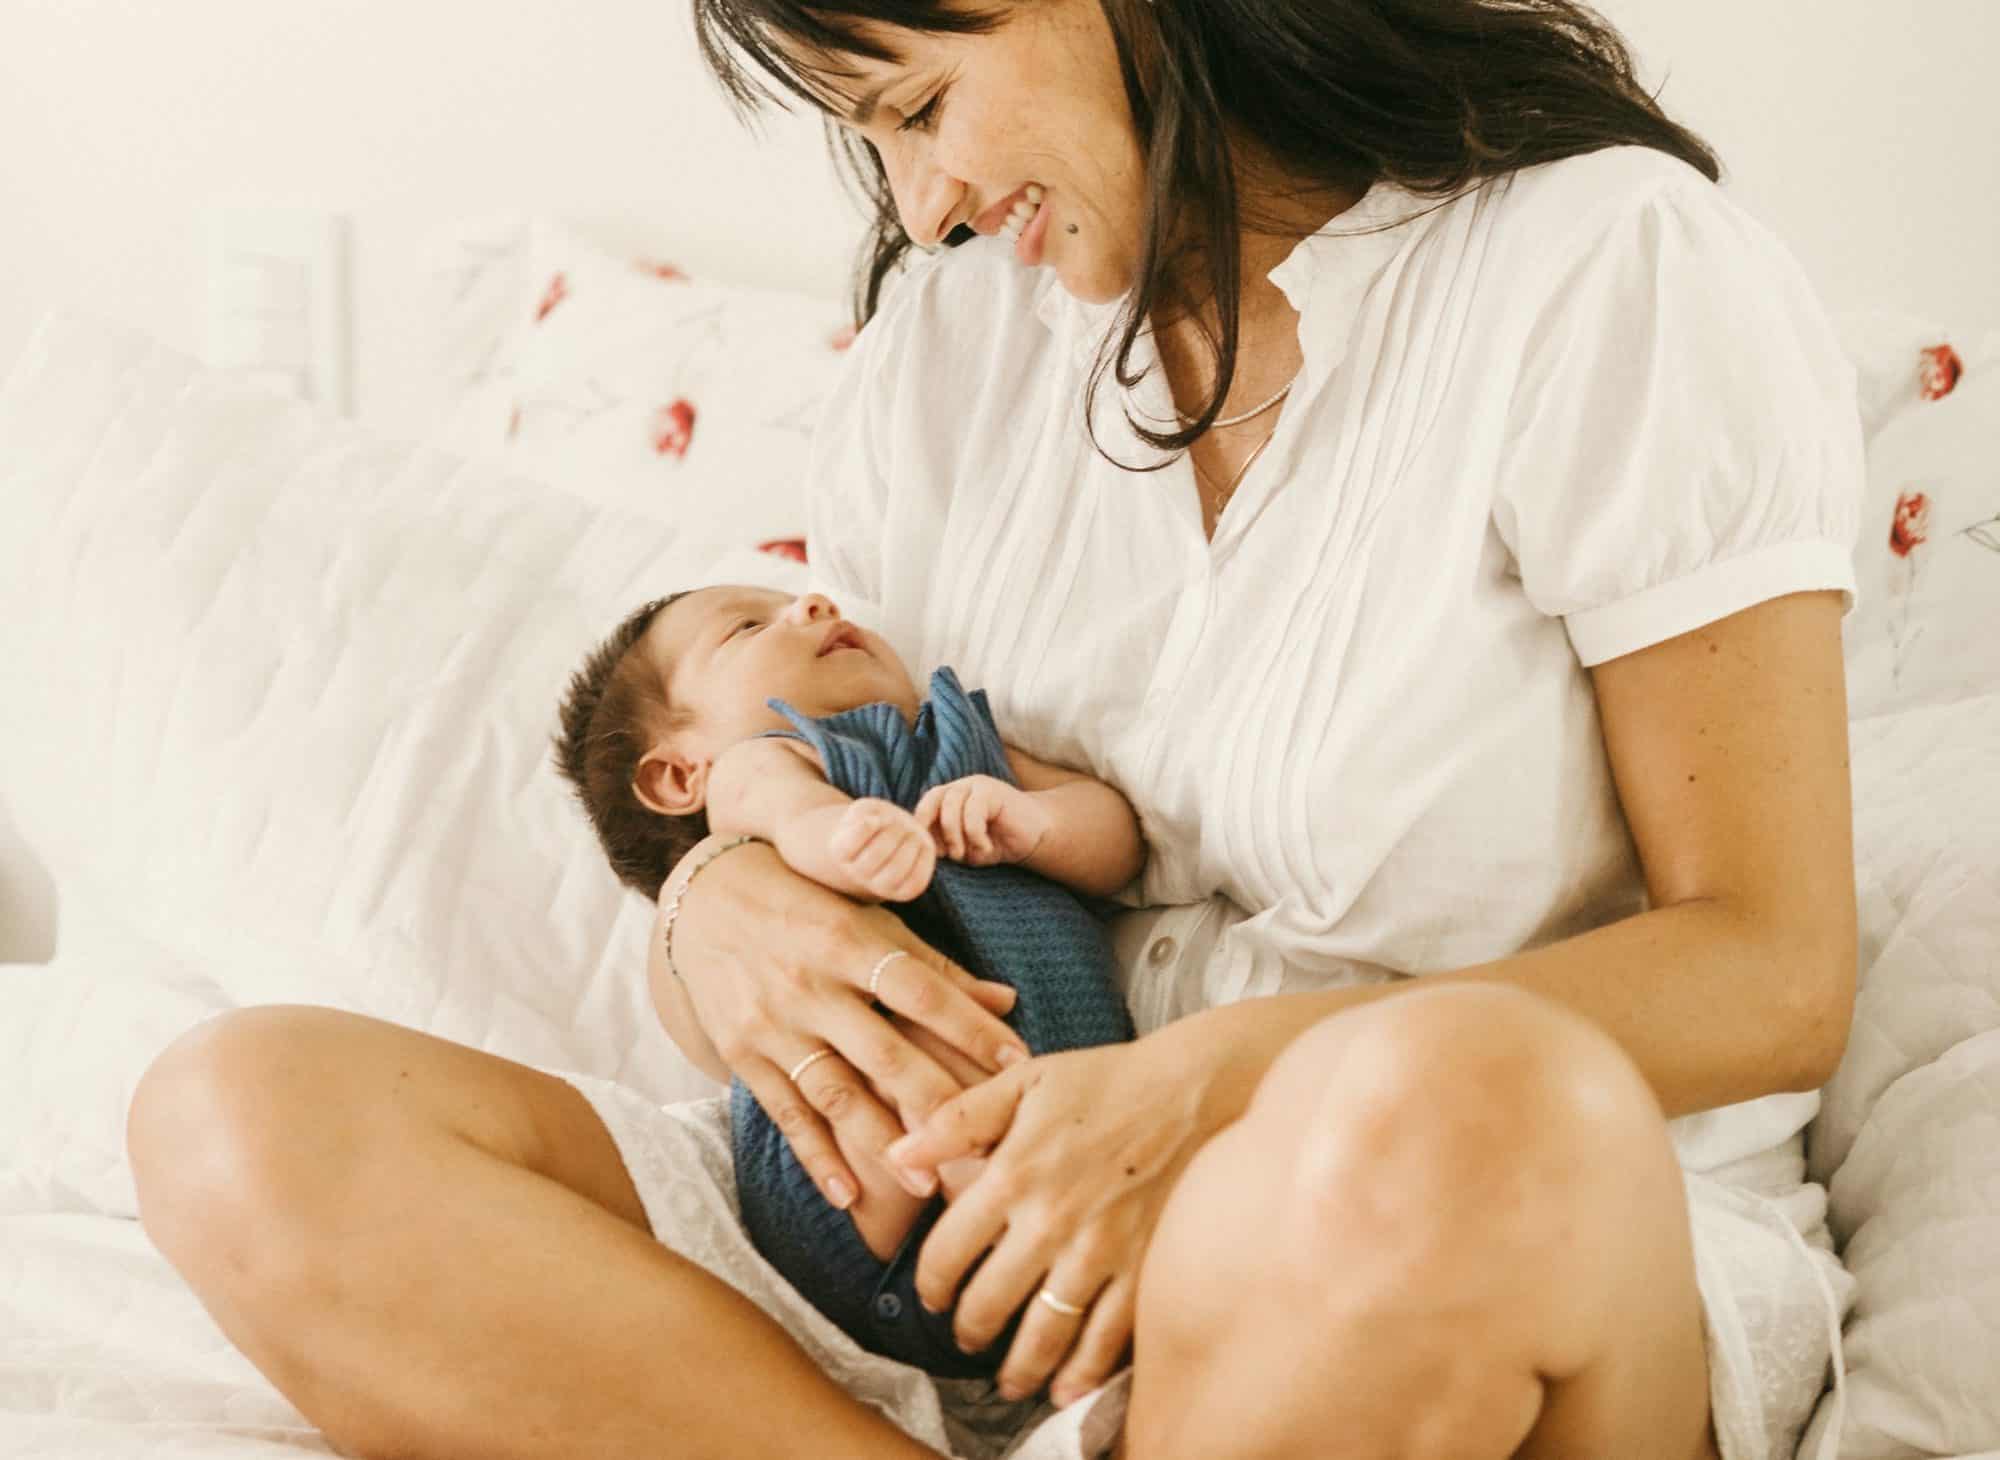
{"type": "Point", "coordinates": [1728, 745]}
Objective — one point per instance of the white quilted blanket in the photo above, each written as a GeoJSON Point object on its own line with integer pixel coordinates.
{"type": "Point", "coordinates": [126, 481]}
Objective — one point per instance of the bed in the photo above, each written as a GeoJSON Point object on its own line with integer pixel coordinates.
{"type": "Point", "coordinates": [274, 707]}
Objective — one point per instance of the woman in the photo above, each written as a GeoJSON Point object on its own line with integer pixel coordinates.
{"type": "Point", "coordinates": [1384, 455]}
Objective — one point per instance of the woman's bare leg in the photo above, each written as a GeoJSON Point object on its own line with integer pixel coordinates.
{"type": "Point", "coordinates": [1450, 1225]}
{"type": "Point", "coordinates": [436, 1252]}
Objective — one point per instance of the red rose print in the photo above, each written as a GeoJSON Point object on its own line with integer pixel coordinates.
{"type": "Point", "coordinates": [1912, 522]}
{"type": "Point", "coordinates": [557, 291]}
{"type": "Point", "coordinates": [842, 337]}
{"type": "Point", "coordinates": [1938, 369]}
{"type": "Point", "coordinates": [673, 428]}
{"type": "Point", "coordinates": [669, 272]}
{"type": "Point", "coordinates": [514, 422]}
{"type": "Point", "coordinates": [785, 547]}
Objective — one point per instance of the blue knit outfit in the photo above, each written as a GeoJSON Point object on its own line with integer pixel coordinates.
{"type": "Point", "coordinates": [1003, 923]}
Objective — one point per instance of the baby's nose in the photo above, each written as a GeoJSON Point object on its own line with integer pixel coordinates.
{"type": "Point", "coordinates": [811, 607]}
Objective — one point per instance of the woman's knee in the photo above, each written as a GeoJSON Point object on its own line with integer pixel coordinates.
{"type": "Point", "coordinates": [255, 1134]}
{"type": "Point", "coordinates": [211, 1129]}
{"type": "Point", "coordinates": [1457, 1114]}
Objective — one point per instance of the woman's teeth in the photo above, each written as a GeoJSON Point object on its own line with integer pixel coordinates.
{"type": "Point", "coordinates": [1022, 211]}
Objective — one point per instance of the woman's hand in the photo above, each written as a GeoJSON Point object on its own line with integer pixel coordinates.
{"type": "Point", "coordinates": [777, 967]}
{"type": "Point", "coordinates": [1085, 1149]}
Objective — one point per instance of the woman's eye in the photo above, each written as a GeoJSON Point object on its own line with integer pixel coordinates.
{"type": "Point", "coordinates": [924, 118]}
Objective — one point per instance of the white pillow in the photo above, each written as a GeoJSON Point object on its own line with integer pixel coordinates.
{"type": "Point", "coordinates": [75, 1036]}
{"type": "Point", "coordinates": [627, 382]}
{"type": "Point", "coordinates": [1927, 566]}
{"type": "Point", "coordinates": [279, 697]}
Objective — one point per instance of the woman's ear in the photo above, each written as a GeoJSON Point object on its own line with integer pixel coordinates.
{"type": "Point", "coordinates": [671, 782]}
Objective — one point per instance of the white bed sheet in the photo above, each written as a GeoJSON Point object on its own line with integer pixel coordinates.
{"type": "Point", "coordinates": [105, 1352]}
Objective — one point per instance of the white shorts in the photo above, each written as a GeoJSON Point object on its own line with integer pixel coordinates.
{"type": "Point", "coordinates": [1773, 1295]}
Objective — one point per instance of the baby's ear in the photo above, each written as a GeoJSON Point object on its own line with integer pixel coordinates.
{"type": "Point", "coordinates": [671, 783]}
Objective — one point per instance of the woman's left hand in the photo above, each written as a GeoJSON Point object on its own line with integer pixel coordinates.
{"type": "Point", "coordinates": [1085, 1147]}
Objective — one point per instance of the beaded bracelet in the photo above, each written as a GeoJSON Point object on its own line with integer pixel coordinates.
{"type": "Point", "coordinates": [674, 906]}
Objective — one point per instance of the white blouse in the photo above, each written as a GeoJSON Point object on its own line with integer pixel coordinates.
{"type": "Point", "coordinates": [1576, 412]}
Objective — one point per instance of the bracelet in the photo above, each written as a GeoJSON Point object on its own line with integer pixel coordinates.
{"type": "Point", "coordinates": [674, 907]}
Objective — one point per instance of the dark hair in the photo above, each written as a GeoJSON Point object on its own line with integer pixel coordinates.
{"type": "Point", "coordinates": [614, 705]}
{"type": "Point", "coordinates": [1433, 95]}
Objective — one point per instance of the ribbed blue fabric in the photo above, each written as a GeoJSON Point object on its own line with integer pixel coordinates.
{"type": "Point", "coordinates": [1000, 923]}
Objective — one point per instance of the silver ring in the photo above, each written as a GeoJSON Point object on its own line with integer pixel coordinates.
{"type": "Point", "coordinates": [1068, 1310]}
{"type": "Point", "coordinates": [805, 1064]}
{"type": "Point", "coordinates": [875, 975]}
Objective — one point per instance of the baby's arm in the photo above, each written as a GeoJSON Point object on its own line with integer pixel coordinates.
{"type": "Point", "coordinates": [1066, 826]}
{"type": "Point", "coordinates": [772, 788]}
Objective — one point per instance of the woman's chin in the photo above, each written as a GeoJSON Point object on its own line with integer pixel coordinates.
{"type": "Point", "coordinates": [1092, 283]}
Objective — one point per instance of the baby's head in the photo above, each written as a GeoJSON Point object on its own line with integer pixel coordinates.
{"type": "Point", "coordinates": [681, 680]}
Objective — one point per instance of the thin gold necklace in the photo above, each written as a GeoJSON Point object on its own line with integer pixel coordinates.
{"type": "Point", "coordinates": [1222, 497]}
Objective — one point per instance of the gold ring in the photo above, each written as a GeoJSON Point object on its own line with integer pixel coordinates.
{"type": "Point", "coordinates": [807, 1063]}
{"type": "Point", "coordinates": [875, 975]}
{"type": "Point", "coordinates": [1068, 1310]}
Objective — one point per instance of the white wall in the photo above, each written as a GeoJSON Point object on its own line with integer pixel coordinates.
{"type": "Point", "coordinates": [1859, 128]}
{"type": "Point", "coordinates": [123, 121]}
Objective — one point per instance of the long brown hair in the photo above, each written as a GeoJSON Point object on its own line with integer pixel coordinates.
{"type": "Point", "coordinates": [1434, 95]}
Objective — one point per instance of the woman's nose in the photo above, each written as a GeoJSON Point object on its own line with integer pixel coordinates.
{"type": "Point", "coordinates": [926, 196]}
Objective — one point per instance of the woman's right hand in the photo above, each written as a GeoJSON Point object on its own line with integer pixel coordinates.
{"type": "Point", "coordinates": [777, 966]}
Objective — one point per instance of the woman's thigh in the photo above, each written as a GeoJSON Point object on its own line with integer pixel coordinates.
{"type": "Point", "coordinates": [1450, 1224]}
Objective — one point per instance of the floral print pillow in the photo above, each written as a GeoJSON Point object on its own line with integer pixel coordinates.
{"type": "Point", "coordinates": [627, 382]}
{"type": "Point", "coordinates": [1926, 624]}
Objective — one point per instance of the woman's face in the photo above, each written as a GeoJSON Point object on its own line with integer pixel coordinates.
{"type": "Point", "coordinates": [966, 122]}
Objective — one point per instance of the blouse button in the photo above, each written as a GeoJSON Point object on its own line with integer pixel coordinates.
{"type": "Point", "coordinates": [1162, 952]}
{"type": "Point", "coordinates": [889, 1307]}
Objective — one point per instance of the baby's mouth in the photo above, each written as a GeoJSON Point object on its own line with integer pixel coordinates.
{"type": "Point", "coordinates": [840, 636]}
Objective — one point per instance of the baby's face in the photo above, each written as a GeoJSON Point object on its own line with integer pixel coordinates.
{"type": "Point", "coordinates": [728, 650]}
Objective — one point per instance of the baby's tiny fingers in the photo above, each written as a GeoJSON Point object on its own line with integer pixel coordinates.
{"type": "Point", "coordinates": [980, 808]}
{"type": "Point", "coordinates": [857, 824]}
{"type": "Point", "coordinates": [882, 850]}
{"type": "Point", "coordinates": [907, 873]}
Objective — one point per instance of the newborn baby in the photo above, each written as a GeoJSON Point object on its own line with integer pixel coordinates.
{"type": "Point", "coordinates": [742, 710]}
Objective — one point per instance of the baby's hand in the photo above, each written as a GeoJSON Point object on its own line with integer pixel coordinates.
{"type": "Point", "coordinates": [884, 849]}
{"type": "Point", "coordinates": [982, 821]}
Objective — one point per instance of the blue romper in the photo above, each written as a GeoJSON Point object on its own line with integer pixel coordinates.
{"type": "Point", "coordinates": [1003, 923]}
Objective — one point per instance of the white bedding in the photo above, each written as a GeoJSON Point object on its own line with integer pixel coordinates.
{"type": "Point", "coordinates": [124, 473]}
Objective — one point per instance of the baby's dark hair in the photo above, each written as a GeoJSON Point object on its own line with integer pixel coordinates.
{"type": "Point", "coordinates": [616, 703]}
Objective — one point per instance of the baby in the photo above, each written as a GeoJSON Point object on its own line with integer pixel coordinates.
{"type": "Point", "coordinates": [743, 710]}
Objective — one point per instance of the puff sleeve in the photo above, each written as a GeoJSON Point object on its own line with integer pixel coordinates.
{"type": "Point", "coordinates": [1684, 439]}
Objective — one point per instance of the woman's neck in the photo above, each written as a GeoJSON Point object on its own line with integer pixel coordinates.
{"type": "Point", "coordinates": [1267, 348]}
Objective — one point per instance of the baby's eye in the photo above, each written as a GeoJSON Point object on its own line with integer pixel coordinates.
{"type": "Point", "coordinates": [748, 623]}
